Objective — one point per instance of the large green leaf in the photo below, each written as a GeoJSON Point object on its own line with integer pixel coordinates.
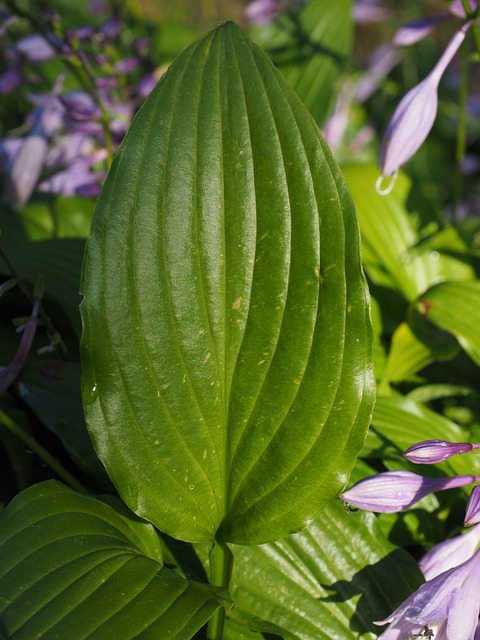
{"type": "Point", "coordinates": [311, 47]}
{"type": "Point", "coordinates": [227, 348]}
{"type": "Point", "coordinates": [73, 566]}
{"type": "Point", "coordinates": [455, 307]}
{"type": "Point", "coordinates": [330, 581]}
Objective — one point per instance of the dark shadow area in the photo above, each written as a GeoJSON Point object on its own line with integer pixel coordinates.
{"type": "Point", "coordinates": [381, 586]}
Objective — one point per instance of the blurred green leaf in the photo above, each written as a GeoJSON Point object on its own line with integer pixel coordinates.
{"type": "Point", "coordinates": [392, 230]}
{"type": "Point", "coordinates": [311, 47]}
{"type": "Point", "coordinates": [51, 389]}
{"type": "Point", "coordinates": [227, 346]}
{"type": "Point", "coordinates": [74, 566]}
{"type": "Point", "coordinates": [454, 307]}
{"type": "Point", "coordinates": [408, 354]}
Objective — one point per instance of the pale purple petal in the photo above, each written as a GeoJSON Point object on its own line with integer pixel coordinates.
{"type": "Point", "coordinates": [457, 10]}
{"type": "Point", "coordinates": [26, 169]}
{"type": "Point", "coordinates": [80, 106]}
{"type": "Point", "coordinates": [449, 554]}
{"type": "Point", "coordinates": [365, 11]}
{"type": "Point", "coordinates": [440, 600]}
{"type": "Point", "coordinates": [394, 491]}
{"type": "Point", "coordinates": [417, 30]}
{"type": "Point", "coordinates": [73, 181]}
{"type": "Point", "coordinates": [126, 65]}
{"type": "Point", "coordinates": [35, 48]}
{"type": "Point", "coordinates": [434, 451]}
{"type": "Point", "coordinates": [261, 11]}
{"type": "Point", "coordinates": [414, 117]}
{"type": "Point", "coordinates": [472, 515]}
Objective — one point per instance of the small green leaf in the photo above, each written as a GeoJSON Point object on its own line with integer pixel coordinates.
{"type": "Point", "coordinates": [73, 566]}
{"type": "Point", "coordinates": [226, 346]}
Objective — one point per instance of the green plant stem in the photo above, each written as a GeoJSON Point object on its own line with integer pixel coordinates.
{"type": "Point", "coordinates": [221, 566]}
{"type": "Point", "coordinates": [29, 295]}
{"type": "Point", "coordinates": [41, 452]}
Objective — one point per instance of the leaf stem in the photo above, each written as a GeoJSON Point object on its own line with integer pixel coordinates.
{"type": "Point", "coordinates": [41, 452]}
{"type": "Point", "coordinates": [221, 566]}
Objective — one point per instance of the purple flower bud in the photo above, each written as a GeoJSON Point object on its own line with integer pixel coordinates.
{"type": "Point", "coordinates": [416, 30]}
{"type": "Point", "coordinates": [449, 554]}
{"type": "Point", "coordinates": [433, 451]}
{"type": "Point", "coordinates": [261, 11]}
{"type": "Point", "coordinates": [414, 116]}
{"type": "Point", "coordinates": [394, 491]}
{"type": "Point", "coordinates": [126, 65]}
{"type": "Point", "coordinates": [26, 168]}
{"type": "Point", "coordinates": [80, 106]}
{"type": "Point", "coordinates": [472, 515]}
{"type": "Point", "coordinates": [35, 48]}
{"type": "Point", "coordinates": [10, 80]}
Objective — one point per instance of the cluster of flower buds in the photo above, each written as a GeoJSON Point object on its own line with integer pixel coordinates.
{"type": "Point", "coordinates": [63, 146]}
{"type": "Point", "coordinates": [447, 606]}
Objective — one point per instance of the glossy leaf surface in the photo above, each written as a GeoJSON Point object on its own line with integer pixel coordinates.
{"type": "Point", "coordinates": [73, 566]}
{"type": "Point", "coordinates": [328, 581]}
{"type": "Point", "coordinates": [227, 347]}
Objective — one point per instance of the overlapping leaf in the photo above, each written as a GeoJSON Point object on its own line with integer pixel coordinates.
{"type": "Point", "coordinates": [227, 349]}
{"type": "Point", "coordinates": [73, 566]}
{"type": "Point", "coordinates": [329, 581]}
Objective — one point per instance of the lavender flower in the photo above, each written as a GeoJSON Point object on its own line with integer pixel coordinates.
{"type": "Point", "coordinates": [448, 605]}
{"type": "Point", "coordinates": [413, 118]}
{"type": "Point", "coordinates": [449, 554]}
{"type": "Point", "coordinates": [394, 491]}
{"type": "Point", "coordinates": [434, 451]}
{"type": "Point", "coordinates": [472, 515]}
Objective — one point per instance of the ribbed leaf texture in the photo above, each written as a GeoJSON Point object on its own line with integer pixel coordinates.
{"type": "Point", "coordinates": [226, 347]}
{"type": "Point", "coordinates": [74, 566]}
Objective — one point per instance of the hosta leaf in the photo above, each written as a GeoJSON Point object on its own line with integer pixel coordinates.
{"type": "Point", "coordinates": [454, 307]}
{"type": "Point", "coordinates": [331, 580]}
{"type": "Point", "coordinates": [227, 348]}
{"type": "Point", "coordinates": [311, 47]}
{"type": "Point", "coordinates": [73, 566]}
